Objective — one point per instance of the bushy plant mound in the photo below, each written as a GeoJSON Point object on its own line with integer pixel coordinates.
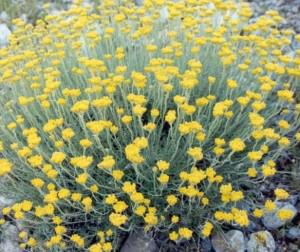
{"type": "Point", "coordinates": [165, 117]}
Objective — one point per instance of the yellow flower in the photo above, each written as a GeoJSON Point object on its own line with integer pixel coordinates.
{"type": "Point", "coordinates": [252, 173]}
{"type": "Point", "coordinates": [126, 119]}
{"type": "Point", "coordinates": [172, 200]}
{"type": "Point", "coordinates": [258, 213]}
{"type": "Point", "coordinates": [205, 201]}
{"type": "Point", "coordinates": [80, 106]}
{"type": "Point", "coordinates": [174, 219]}
{"type": "Point", "coordinates": [76, 197]}
{"type": "Point", "coordinates": [85, 143]}
{"type": "Point", "coordinates": [5, 167]}
{"type": "Point", "coordinates": [26, 205]}
{"type": "Point", "coordinates": [170, 116]}
{"type": "Point", "coordinates": [129, 187]}
{"type": "Point", "coordinates": [256, 120]}
{"type": "Point", "coordinates": [137, 197]}
{"type": "Point", "coordinates": [173, 236]}
{"type": "Point", "coordinates": [38, 183]}
{"type": "Point", "coordinates": [87, 202]}
{"type": "Point", "coordinates": [268, 170]}
{"type": "Point", "coordinates": [78, 240]}
{"type": "Point", "coordinates": [284, 142]}
{"type": "Point", "coordinates": [151, 219]}
{"type": "Point", "coordinates": [132, 151]}
{"type": "Point", "coordinates": [211, 80]}
{"type": "Point", "coordinates": [232, 84]}
{"type": "Point", "coordinates": [154, 113]}
{"type": "Point", "coordinates": [120, 206]}
{"type": "Point", "coordinates": [207, 229]}
{"type": "Point", "coordinates": [139, 80]}
{"type": "Point", "coordinates": [162, 165]}
{"type": "Point", "coordinates": [82, 162]}
{"type": "Point", "coordinates": [285, 214]}
{"type": "Point", "coordinates": [59, 230]}
{"type": "Point", "coordinates": [240, 217]}
{"type": "Point", "coordinates": [117, 174]}
{"type": "Point", "coordinates": [195, 153]}
{"type": "Point", "coordinates": [111, 199]}
{"type": "Point", "coordinates": [281, 194]}
{"type": "Point", "coordinates": [64, 193]}
{"type": "Point", "coordinates": [35, 161]}
{"type": "Point", "coordinates": [185, 233]}
{"type": "Point", "coordinates": [283, 124]}
{"type": "Point", "coordinates": [67, 134]}
{"type": "Point", "coordinates": [108, 162]}
{"type": "Point", "coordinates": [255, 155]}
{"type": "Point", "coordinates": [150, 127]}
{"type": "Point", "coordinates": [236, 196]}
{"type": "Point", "coordinates": [31, 242]}
{"type": "Point", "coordinates": [237, 145]}
{"type": "Point", "coordinates": [140, 210]}
{"type": "Point", "coordinates": [163, 179]}
{"type": "Point", "coordinates": [117, 219]}
{"type": "Point", "coordinates": [138, 110]}
{"type": "Point", "coordinates": [82, 178]}
{"type": "Point", "coordinates": [58, 157]}
{"type": "Point", "coordinates": [270, 206]}
{"type": "Point", "coordinates": [103, 102]}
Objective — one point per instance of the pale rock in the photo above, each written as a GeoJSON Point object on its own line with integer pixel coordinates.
{"type": "Point", "coordinates": [271, 220]}
{"type": "Point", "coordinates": [4, 202]}
{"type": "Point", "coordinates": [232, 241]}
{"type": "Point", "coordinates": [293, 233]}
{"type": "Point", "coordinates": [4, 34]}
{"type": "Point", "coordinates": [139, 242]}
{"type": "Point", "coordinates": [261, 241]}
{"type": "Point", "coordinates": [9, 238]}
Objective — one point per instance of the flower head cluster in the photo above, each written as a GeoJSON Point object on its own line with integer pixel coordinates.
{"type": "Point", "coordinates": [120, 117]}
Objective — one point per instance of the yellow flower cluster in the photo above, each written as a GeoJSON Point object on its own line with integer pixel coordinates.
{"type": "Point", "coordinates": [119, 117]}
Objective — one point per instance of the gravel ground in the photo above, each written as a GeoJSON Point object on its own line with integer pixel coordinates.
{"type": "Point", "coordinates": [289, 9]}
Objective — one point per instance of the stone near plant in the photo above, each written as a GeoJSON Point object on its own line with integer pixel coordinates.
{"type": "Point", "coordinates": [139, 242]}
{"type": "Point", "coordinates": [4, 202]}
{"type": "Point", "coordinates": [271, 220]}
{"type": "Point", "coordinates": [9, 239]}
{"type": "Point", "coordinates": [293, 247]}
{"type": "Point", "coordinates": [206, 245]}
{"type": "Point", "coordinates": [4, 34]}
{"type": "Point", "coordinates": [4, 17]}
{"type": "Point", "coordinates": [232, 241]}
{"type": "Point", "coordinates": [261, 241]}
{"type": "Point", "coordinates": [293, 233]}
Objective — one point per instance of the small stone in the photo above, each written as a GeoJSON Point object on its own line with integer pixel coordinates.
{"type": "Point", "coordinates": [206, 245]}
{"type": "Point", "coordinates": [293, 233]}
{"type": "Point", "coordinates": [9, 238]}
{"type": "Point", "coordinates": [271, 221]}
{"type": "Point", "coordinates": [4, 34]}
{"type": "Point", "coordinates": [139, 2]}
{"type": "Point", "coordinates": [9, 246]}
{"type": "Point", "coordinates": [253, 226]}
{"type": "Point", "coordinates": [261, 241]}
{"type": "Point", "coordinates": [232, 241]}
{"type": "Point", "coordinates": [298, 206]}
{"type": "Point", "coordinates": [4, 17]}
{"type": "Point", "coordinates": [4, 202]}
{"type": "Point", "coordinates": [10, 232]}
{"type": "Point", "coordinates": [293, 199]}
{"type": "Point", "coordinates": [293, 247]}
{"type": "Point", "coordinates": [139, 242]}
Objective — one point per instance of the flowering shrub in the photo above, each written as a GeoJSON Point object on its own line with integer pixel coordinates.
{"type": "Point", "coordinates": [165, 117]}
